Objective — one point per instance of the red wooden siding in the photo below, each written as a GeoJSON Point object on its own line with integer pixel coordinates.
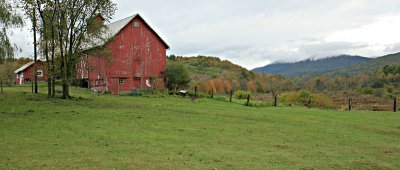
{"type": "Point", "coordinates": [137, 53]}
{"type": "Point", "coordinates": [28, 74]}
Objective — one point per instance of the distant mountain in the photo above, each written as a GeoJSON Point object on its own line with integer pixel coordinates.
{"type": "Point", "coordinates": [369, 66]}
{"type": "Point", "coordinates": [310, 66]}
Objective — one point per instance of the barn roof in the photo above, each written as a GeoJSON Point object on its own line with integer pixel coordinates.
{"type": "Point", "coordinates": [24, 67]}
{"type": "Point", "coordinates": [114, 28]}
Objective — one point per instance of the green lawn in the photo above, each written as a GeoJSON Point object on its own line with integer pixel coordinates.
{"type": "Point", "coordinates": [122, 132]}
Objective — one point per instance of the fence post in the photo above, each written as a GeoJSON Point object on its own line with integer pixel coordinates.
{"type": "Point", "coordinates": [275, 100]}
{"type": "Point", "coordinates": [350, 103]}
{"type": "Point", "coordinates": [212, 93]}
{"type": "Point", "coordinates": [230, 98]}
{"type": "Point", "coordinates": [248, 100]}
{"type": "Point", "coordinates": [395, 105]}
{"type": "Point", "coordinates": [195, 89]}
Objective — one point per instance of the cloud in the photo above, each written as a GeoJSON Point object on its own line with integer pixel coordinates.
{"type": "Point", "coordinates": [258, 32]}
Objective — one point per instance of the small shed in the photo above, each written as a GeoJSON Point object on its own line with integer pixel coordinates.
{"type": "Point", "coordinates": [25, 74]}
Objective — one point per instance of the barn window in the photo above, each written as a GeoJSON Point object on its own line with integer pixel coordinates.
{"type": "Point", "coordinates": [121, 81]}
{"type": "Point", "coordinates": [40, 73]}
{"type": "Point", "coordinates": [136, 24]}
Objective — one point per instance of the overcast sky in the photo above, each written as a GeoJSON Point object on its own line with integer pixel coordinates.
{"type": "Point", "coordinates": [254, 33]}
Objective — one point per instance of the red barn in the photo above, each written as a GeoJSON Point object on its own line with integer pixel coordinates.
{"type": "Point", "coordinates": [138, 57]}
{"type": "Point", "coordinates": [25, 74]}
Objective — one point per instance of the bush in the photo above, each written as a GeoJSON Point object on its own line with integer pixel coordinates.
{"type": "Point", "coordinates": [197, 95]}
{"type": "Point", "coordinates": [221, 98]}
{"type": "Point", "coordinates": [240, 94]}
{"type": "Point", "coordinates": [368, 90]}
{"type": "Point", "coordinates": [307, 99]}
{"type": "Point", "coordinates": [259, 104]}
{"type": "Point", "coordinates": [289, 98]}
{"type": "Point", "coordinates": [379, 92]}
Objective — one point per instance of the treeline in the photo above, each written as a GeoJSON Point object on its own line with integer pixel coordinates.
{"type": "Point", "coordinates": [382, 83]}
{"type": "Point", "coordinates": [213, 75]}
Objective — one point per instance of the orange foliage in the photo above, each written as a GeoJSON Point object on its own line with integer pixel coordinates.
{"type": "Point", "coordinates": [219, 85]}
{"type": "Point", "coordinates": [212, 88]}
{"type": "Point", "coordinates": [228, 86]}
{"type": "Point", "coordinates": [251, 86]}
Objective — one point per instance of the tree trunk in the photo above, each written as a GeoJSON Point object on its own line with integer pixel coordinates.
{"type": "Point", "coordinates": [230, 98]}
{"type": "Point", "coordinates": [65, 90]}
{"type": "Point", "coordinates": [350, 104]}
{"type": "Point", "coordinates": [53, 87]}
{"type": "Point", "coordinates": [48, 65]}
{"type": "Point", "coordinates": [1, 86]}
{"type": "Point", "coordinates": [35, 50]}
{"type": "Point", "coordinates": [49, 87]}
{"type": "Point", "coordinates": [248, 100]}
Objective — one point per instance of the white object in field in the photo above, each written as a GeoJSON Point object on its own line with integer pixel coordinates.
{"type": "Point", "coordinates": [148, 83]}
{"type": "Point", "coordinates": [183, 91]}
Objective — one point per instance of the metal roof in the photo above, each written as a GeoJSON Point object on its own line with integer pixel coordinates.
{"type": "Point", "coordinates": [113, 29]}
{"type": "Point", "coordinates": [24, 67]}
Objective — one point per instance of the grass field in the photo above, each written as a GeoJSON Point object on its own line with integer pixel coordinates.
{"type": "Point", "coordinates": [122, 132]}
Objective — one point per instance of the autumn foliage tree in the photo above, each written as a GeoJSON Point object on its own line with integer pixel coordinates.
{"type": "Point", "coordinates": [251, 86]}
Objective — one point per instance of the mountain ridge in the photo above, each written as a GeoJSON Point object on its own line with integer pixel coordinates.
{"type": "Point", "coordinates": [312, 66]}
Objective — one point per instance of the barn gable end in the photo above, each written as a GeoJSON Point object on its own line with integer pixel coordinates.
{"type": "Point", "coordinates": [138, 57]}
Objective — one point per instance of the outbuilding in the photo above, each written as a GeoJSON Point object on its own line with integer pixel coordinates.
{"type": "Point", "coordinates": [25, 74]}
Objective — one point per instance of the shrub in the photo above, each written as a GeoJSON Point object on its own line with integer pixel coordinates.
{"type": "Point", "coordinates": [221, 98]}
{"type": "Point", "coordinates": [368, 90]}
{"type": "Point", "coordinates": [240, 94]}
{"type": "Point", "coordinates": [379, 92]}
{"type": "Point", "coordinates": [289, 97]}
{"type": "Point", "coordinates": [197, 95]}
{"type": "Point", "coordinates": [305, 98]}
{"type": "Point", "coordinates": [259, 104]}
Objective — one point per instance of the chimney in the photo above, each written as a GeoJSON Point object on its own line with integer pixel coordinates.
{"type": "Point", "coordinates": [96, 20]}
{"type": "Point", "coordinates": [99, 18]}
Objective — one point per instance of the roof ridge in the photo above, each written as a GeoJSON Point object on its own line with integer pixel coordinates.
{"type": "Point", "coordinates": [123, 19]}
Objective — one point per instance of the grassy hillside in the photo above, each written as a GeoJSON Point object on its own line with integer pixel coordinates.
{"type": "Point", "coordinates": [121, 132]}
{"type": "Point", "coordinates": [213, 67]}
{"type": "Point", "coordinates": [311, 66]}
{"type": "Point", "coordinates": [369, 66]}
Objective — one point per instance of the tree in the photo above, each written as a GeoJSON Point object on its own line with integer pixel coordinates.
{"type": "Point", "coordinates": [212, 89]}
{"type": "Point", "coordinates": [219, 85]}
{"type": "Point", "coordinates": [251, 86]}
{"type": "Point", "coordinates": [9, 18]}
{"type": "Point", "coordinates": [73, 28]}
{"type": "Point", "coordinates": [6, 74]}
{"type": "Point", "coordinates": [176, 76]}
{"type": "Point", "coordinates": [228, 87]}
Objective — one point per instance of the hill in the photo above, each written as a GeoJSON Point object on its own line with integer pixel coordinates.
{"type": "Point", "coordinates": [310, 66]}
{"type": "Point", "coordinates": [369, 66]}
{"type": "Point", "coordinates": [212, 67]}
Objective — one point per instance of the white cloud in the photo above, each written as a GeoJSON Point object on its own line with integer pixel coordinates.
{"type": "Point", "coordinates": [257, 32]}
